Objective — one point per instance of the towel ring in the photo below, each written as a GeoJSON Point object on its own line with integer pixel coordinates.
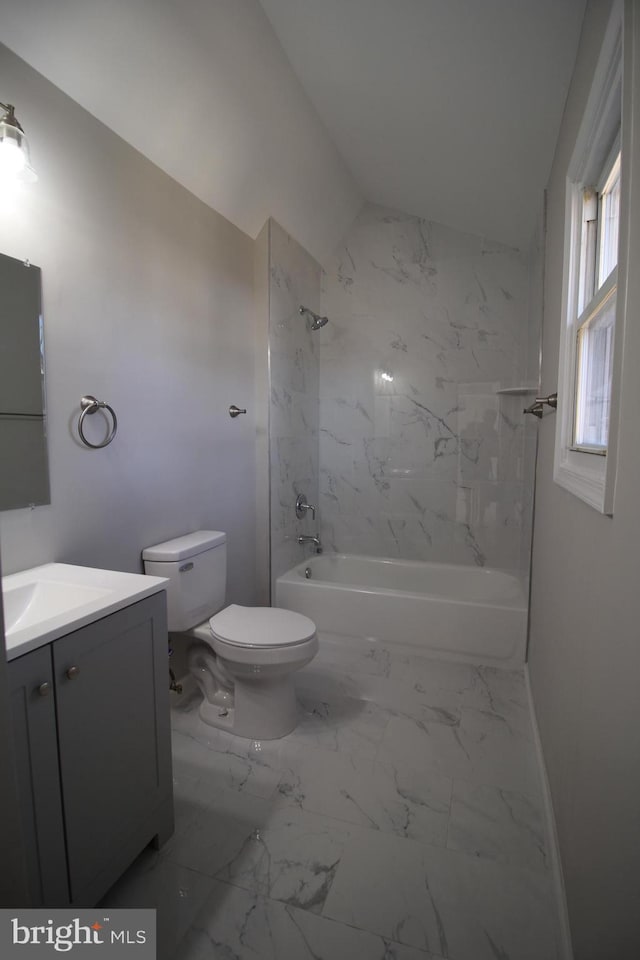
{"type": "Point", "coordinates": [90, 405]}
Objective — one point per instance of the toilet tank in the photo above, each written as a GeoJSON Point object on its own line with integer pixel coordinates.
{"type": "Point", "coordinates": [196, 567]}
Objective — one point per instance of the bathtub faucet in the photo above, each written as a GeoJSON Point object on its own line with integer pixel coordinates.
{"type": "Point", "coordinates": [315, 540]}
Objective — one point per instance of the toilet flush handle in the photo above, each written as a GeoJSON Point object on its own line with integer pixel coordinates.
{"type": "Point", "coordinates": [185, 567]}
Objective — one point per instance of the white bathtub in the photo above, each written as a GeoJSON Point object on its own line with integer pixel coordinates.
{"type": "Point", "coordinates": [468, 613]}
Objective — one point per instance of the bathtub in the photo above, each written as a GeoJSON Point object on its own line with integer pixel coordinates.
{"type": "Point", "coordinates": [466, 613]}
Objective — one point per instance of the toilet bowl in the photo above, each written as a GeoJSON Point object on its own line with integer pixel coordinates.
{"type": "Point", "coordinates": [244, 666]}
{"type": "Point", "coordinates": [243, 658]}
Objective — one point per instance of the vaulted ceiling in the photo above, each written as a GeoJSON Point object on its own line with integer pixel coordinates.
{"type": "Point", "coordinates": [445, 108]}
{"type": "Point", "coordinates": [299, 109]}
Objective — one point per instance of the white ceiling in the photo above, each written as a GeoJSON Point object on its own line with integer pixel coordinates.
{"type": "Point", "coordinates": [445, 108]}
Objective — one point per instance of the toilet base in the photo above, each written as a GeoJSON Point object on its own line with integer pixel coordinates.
{"type": "Point", "coordinates": [264, 709]}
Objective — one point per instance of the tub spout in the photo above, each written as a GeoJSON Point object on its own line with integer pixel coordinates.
{"type": "Point", "coordinates": [315, 540]}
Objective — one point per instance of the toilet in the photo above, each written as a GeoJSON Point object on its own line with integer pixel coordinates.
{"type": "Point", "coordinates": [243, 658]}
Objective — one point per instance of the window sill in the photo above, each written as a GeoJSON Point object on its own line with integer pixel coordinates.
{"type": "Point", "coordinates": [585, 477]}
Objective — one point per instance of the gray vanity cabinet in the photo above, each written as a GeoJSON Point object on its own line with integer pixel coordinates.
{"type": "Point", "coordinates": [111, 732]}
{"type": "Point", "coordinates": [33, 716]}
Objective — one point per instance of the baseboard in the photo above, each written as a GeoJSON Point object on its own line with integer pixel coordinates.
{"type": "Point", "coordinates": [564, 932]}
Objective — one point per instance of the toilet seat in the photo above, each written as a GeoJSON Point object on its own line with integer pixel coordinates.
{"type": "Point", "coordinates": [261, 627]}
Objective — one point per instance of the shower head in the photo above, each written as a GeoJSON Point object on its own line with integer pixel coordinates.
{"type": "Point", "coordinates": [316, 321]}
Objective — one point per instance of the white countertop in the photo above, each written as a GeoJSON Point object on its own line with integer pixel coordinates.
{"type": "Point", "coordinates": [47, 602]}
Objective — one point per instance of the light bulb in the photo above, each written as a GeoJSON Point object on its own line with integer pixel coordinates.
{"type": "Point", "coordinates": [12, 158]}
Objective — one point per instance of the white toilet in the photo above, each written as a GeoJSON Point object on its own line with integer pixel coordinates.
{"type": "Point", "coordinates": [245, 657]}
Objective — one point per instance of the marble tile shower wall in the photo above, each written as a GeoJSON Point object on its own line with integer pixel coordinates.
{"type": "Point", "coordinates": [420, 458]}
{"type": "Point", "coordinates": [294, 279]}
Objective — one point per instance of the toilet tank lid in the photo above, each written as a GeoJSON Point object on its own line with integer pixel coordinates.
{"type": "Point", "coordinates": [182, 547]}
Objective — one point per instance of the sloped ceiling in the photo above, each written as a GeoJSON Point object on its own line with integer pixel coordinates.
{"type": "Point", "coordinates": [298, 108]}
{"type": "Point", "coordinates": [445, 108]}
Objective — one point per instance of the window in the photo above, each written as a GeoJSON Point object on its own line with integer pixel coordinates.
{"type": "Point", "coordinates": [587, 388]}
{"type": "Point", "coordinates": [597, 303]}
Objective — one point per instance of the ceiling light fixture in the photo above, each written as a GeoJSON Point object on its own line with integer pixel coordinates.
{"type": "Point", "coordinates": [15, 162]}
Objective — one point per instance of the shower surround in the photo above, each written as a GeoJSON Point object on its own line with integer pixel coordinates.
{"type": "Point", "coordinates": [420, 457]}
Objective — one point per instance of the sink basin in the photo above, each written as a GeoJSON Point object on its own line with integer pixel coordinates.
{"type": "Point", "coordinates": [38, 601]}
{"type": "Point", "coordinates": [47, 602]}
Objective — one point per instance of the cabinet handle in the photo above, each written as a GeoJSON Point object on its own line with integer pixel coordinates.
{"type": "Point", "coordinates": [73, 672]}
{"type": "Point", "coordinates": [44, 689]}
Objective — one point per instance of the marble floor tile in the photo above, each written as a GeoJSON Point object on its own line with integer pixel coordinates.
{"type": "Point", "coordinates": [209, 757]}
{"type": "Point", "coordinates": [217, 834]}
{"type": "Point", "coordinates": [482, 748]}
{"type": "Point", "coordinates": [175, 892]}
{"type": "Point", "coordinates": [394, 675]}
{"type": "Point", "coordinates": [416, 801]}
{"type": "Point", "coordinates": [293, 857]}
{"type": "Point", "coordinates": [408, 802]}
{"type": "Point", "coordinates": [492, 687]}
{"type": "Point", "coordinates": [354, 654]}
{"type": "Point", "coordinates": [389, 693]}
{"type": "Point", "coordinates": [447, 683]}
{"type": "Point", "coordinates": [330, 681]}
{"type": "Point", "coordinates": [400, 820]}
{"type": "Point", "coordinates": [191, 796]}
{"type": "Point", "coordinates": [442, 681]}
{"type": "Point", "coordinates": [498, 824]}
{"type": "Point", "coordinates": [237, 925]}
{"type": "Point", "coordinates": [341, 723]}
{"type": "Point", "coordinates": [503, 693]}
{"type": "Point", "coordinates": [441, 901]}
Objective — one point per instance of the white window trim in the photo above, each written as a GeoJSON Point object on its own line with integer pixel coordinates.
{"type": "Point", "coordinates": [588, 476]}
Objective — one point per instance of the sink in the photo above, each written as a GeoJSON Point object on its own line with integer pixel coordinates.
{"type": "Point", "coordinates": [46, 602]}
{"type": "Point", "coordinates": [38, 601]}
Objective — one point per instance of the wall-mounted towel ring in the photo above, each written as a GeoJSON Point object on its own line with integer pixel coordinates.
{"type": "Point", "coordinates": [90, 405]}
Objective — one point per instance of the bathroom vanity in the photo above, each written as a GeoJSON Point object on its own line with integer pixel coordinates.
{"type": "Point", "coordinates": [87, 653]}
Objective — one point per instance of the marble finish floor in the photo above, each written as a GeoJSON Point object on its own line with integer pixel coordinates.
{"type": "Point", "coordinates": [401, 820]}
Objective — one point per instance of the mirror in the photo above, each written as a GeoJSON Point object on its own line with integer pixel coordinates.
{"type": "Point", "coordinates": [24, 473]}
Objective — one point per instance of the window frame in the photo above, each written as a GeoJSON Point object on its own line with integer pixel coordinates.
{"type": "Point", "coordinates": [595, 306]}
{"type": "Point", "coordinates": [590, 474]}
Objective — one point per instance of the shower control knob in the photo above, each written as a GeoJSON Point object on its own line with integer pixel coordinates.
{"type": "Point", "coordinates": [73, 672]}
{"type": "Point", "coordinates": [235, 411]}
{"type": "Point", "coordinates": [302, 506]}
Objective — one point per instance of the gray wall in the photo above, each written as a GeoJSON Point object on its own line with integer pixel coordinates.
{"type": "Point", "coordinates": [148, 304]}
{"type": "Point", "coordinates": [585, 634]}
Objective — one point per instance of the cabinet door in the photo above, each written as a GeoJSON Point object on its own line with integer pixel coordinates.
{"type": "Point", "coordinates": [115, 748]}
{"type": "Point", "coordinates": [36, 750]}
